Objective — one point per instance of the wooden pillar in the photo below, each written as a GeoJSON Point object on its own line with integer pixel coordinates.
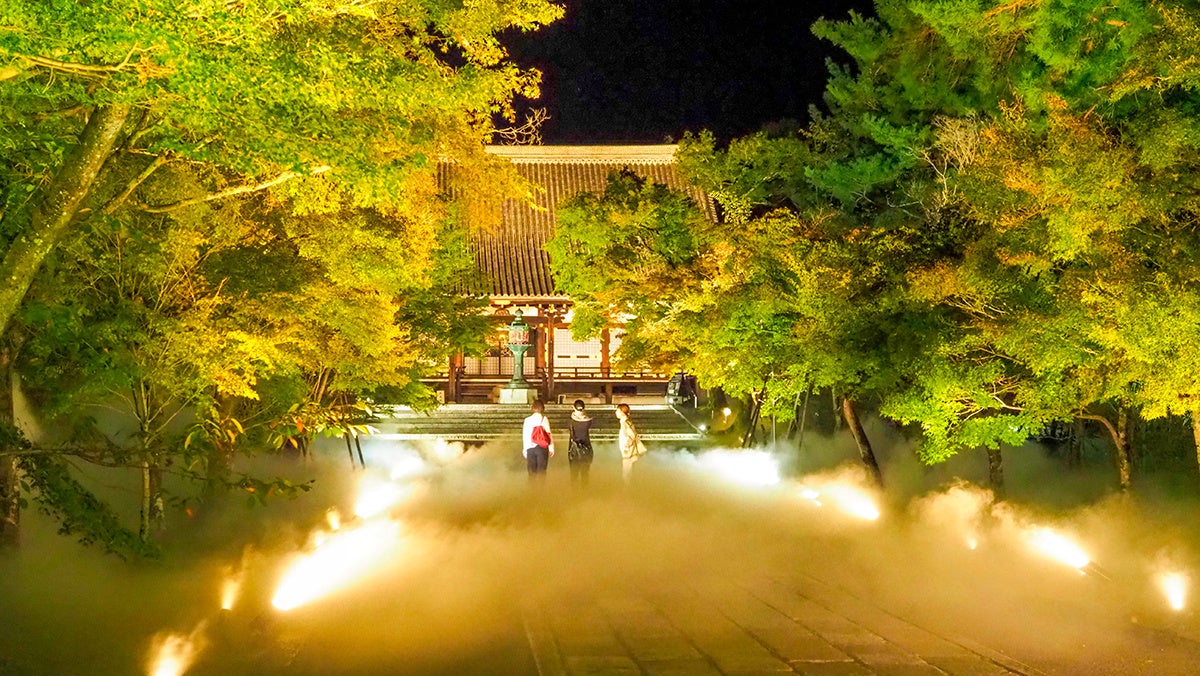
{"type": "Point", "coordinates": [605, 366]}
{"type": "Point", "coordinates": [539, 354]}
{"type": "Point", "coordinates": [604, 356]}
{"type": "Point", "coordinates": [551, 322]}
{"type": "Point", "coordinates": [453, 385]}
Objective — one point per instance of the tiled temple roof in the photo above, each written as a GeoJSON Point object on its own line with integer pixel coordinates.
{"type": "Point", "coordinates": [511, 260]}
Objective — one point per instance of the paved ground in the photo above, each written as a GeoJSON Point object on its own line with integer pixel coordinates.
{"type": "Point", "coordinates": [765, 598]}
{"type": "Point", "coordinates": [678, 573]}
{"type": "Point", "coordinates": [807, 627]}
{"type": "Point", "coordinates": [771, 626]}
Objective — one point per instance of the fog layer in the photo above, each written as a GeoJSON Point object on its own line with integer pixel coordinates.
{"type": "Point", "coordinates": [479, 548]}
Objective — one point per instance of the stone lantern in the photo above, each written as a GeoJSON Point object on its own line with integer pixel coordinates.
{"type": "Point", "coordinates": [518, 390]}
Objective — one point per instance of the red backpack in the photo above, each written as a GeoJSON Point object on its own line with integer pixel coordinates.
{"type": "Point", "coordinates": [540, 436]}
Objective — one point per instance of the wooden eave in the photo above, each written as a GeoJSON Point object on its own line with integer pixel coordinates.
{"type": "Point", "coordinates": [511, 262]}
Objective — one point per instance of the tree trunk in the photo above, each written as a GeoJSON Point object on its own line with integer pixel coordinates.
{"type": "Point", "coordinates": [996, 471]}
{"type": "Point", "coordinates": [1196, 434]}
{"type": "Point", "coordinates": [755, 410]}
{"type": "Point", "coordinates": [803, 420]}
{"type": "Point", "coordinates": [837, 420]}
{"type": "Point", "coordinates": [1124, 448]}
{"type": "Point", "coordinates": [795, 421]}
{"type": "Point", "coordinates": [860, 438]}
{"type": "Point", "coordinates": [1121, 441]}
{"type": "Point", "coordinates": [152, 499]}
{"type": "Point", "coordinates": [1075, 452]}
{"type": "Point", "coordinates": [144, 529]}
{"type": "Point", "coordinates": [800, 415]}
{"type": "Point", "coordinates": [63, 197]}
{"type": "Point", "coordinates": [10, 487]}
{"type": "Point", "coordinates": [349, 449]}
{"type": "Point", "coordinates": [10, 501]}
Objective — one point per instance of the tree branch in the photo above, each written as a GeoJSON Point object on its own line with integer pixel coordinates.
{"type": "Point", "coordinates": [159, 160]}
{"type": "Point", "coordinates": [78, 68]}
{"type": "Point", "coordinates": [136, 136]}
{"type": "Point", "coordinates": [79, 109]}
{"type": "Point", "coordinates": [230, 192]}
{"type": "Point", "coordinates": [528, 134]}
{"type": "Point", "coordinates": [59, 205]}
{"type": "Point", "coordinates": [1111, 430]}
{"type": "Point", "coordinates": [96, 456]}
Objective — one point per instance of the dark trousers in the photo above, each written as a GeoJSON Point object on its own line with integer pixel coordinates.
{"type": "Point", "coordinates": [579, 472]}
{"type": "Point", "coordinates": [537, 459]}
{"type": "Point", "coordinates": [580, 457]}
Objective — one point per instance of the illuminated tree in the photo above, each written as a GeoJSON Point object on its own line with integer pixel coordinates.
{"type": "Point", "coordinates": [132, 116]}
{"type": "Point", "coordinates": [260, 92]}
{"type": "Point", "coordinates": [1084, 277]}
{"type": "Point", "coordinates": [989, 230]}
{"type": "Point", "coordinates": [1018, 140]}
{"type": "Point", "coordinates": [725, 301]}
{"type": "Point", "coordinates": [237, 316]}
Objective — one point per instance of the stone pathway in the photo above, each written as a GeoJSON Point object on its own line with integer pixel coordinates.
{"type": "Point", "coordinates": [766, 626]}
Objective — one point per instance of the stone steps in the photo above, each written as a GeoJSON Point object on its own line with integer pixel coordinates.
{"type": "Point", "coordinates": [480, 422]}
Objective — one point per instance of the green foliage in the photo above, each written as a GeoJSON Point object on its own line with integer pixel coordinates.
{"type": "Point", "coordinates": [259, 492]}
{"type": "Point", "coordinates": [1069, 217]}
{"type": "Point", "coordinates": [269, 235]}
{"type": "Point", "coordinates": [991, 228]}
{"type": "Point", "coordinates": [627, 252]}
{"type": "Point", "coordinates": [254, 87]}
{"type": "Point", "coordinates": [79, 512]}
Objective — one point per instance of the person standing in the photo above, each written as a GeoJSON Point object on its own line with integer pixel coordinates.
{"type": "Point", "coordinates": [629, 441]}
{"type": "Point", "coordinates": [538, 443]}
{"type": "Point", "coordinates": [579, 453]}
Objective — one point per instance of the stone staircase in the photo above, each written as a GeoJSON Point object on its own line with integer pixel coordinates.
{"type": "Point", "coordinates": [482, 422]}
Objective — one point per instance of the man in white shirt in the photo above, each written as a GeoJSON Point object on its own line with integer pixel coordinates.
{"type": "Point", "coordinates": [537, 443]}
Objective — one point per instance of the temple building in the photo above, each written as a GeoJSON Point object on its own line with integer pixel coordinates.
{"type": "Point", "coordinates": [513, 271]}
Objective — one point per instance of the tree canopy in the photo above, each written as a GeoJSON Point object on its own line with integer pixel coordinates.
{"type": "Point", "coordinates": [990, 225]}
{"type": "Point", "coordinates": [248, 95]}
{"type": "Point", "coordinates": [229, 213]}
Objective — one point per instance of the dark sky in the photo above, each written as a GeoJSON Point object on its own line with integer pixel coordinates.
{"type": "Point", "coordinates": [648, 70]}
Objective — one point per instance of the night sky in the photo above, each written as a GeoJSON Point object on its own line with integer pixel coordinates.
{"type": "Point", "coordinates": [645, 71]}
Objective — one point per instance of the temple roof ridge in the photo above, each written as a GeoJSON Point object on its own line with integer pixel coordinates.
{"type": "Point", "coordinates": [511, 261]}
{"type": "Point", "coordinates": [580, 154]}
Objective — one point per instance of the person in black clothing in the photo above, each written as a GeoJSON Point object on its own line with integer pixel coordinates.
{"type": "Point", "coordinates": [579, 453]}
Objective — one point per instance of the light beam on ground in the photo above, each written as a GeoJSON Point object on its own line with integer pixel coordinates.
{"type": "Point", "coordinates": [851, 500]}
{"type": "Point", "coordinates": [1174, 586]}
{"type": "Point", "coordinates": [845, 497]}
{"type": "Point", "coordinates": [378, 497]}
{"type": "Point", "coordinates": [172, 654]}
{"type": "Point", "coordinates": [1059, 548]}
{"type": "Point", "coordinates": [341, 560]}
{"type": "Point", "coordinates": [231, 587]}
{"type": "Point", "coordinates": [748, 468]}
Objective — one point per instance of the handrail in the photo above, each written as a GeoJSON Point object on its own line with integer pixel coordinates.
{"type": "Point", "coordinates": [560, 374]}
